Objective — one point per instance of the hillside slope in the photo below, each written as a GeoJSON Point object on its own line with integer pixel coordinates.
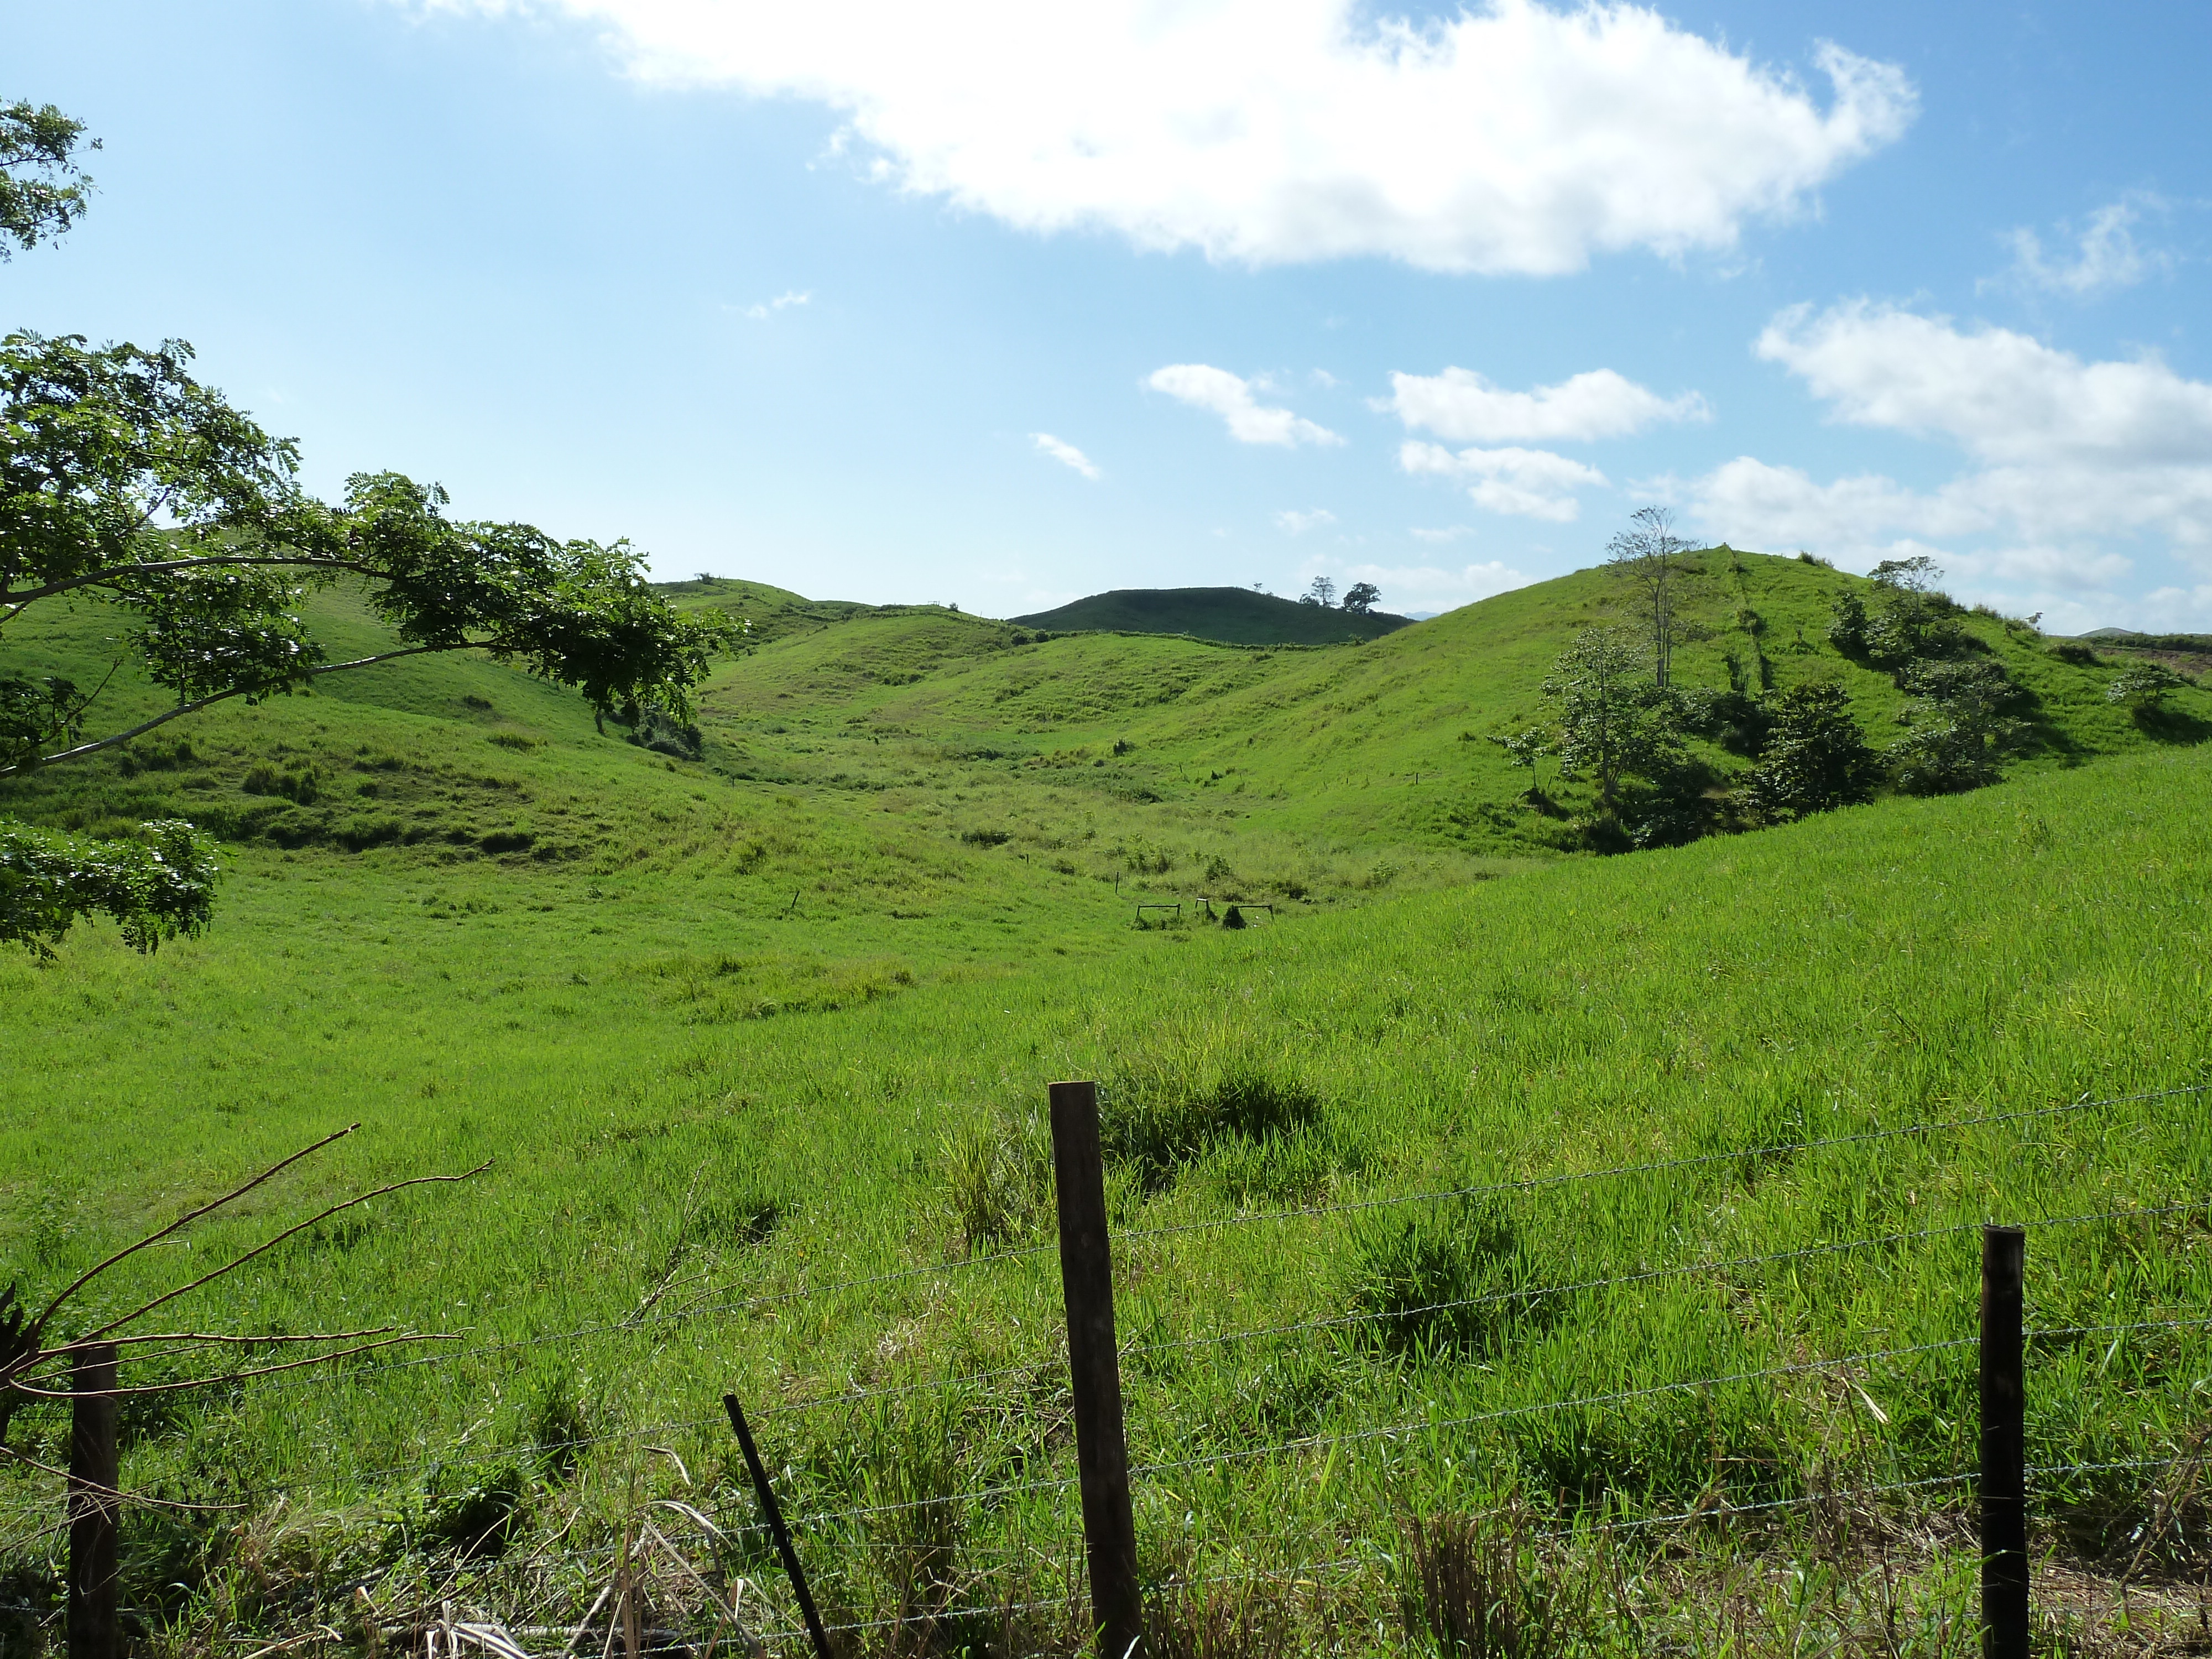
{"type": "Point", "coordinates": [1229, 615]}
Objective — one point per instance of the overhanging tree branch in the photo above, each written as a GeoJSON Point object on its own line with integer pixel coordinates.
{"type": "Point", "coordinates": [193, 708]}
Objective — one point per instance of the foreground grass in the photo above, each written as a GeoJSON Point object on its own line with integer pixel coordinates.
{"type": "Point", "coordinates": [678, 1175]}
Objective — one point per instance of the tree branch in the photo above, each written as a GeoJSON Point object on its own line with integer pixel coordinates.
{"type": "Point", "coordinates": [39, 1324]}
{"type": "Point", "coordinates": [167, 715]}
{"type": "Point", "coordinates": [17, 602]}
{"type": "Point", "coordinates": [36, 1393]}
{"type": "Point", "coordinates": [269, 1244]}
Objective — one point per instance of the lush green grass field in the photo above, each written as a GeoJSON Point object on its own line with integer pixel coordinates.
{"type": "Point", "coordinates": [706, 1103]}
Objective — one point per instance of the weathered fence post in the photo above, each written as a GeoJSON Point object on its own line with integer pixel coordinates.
{"type": "Point", "coordinates": [2004, 1448]}
{"type": "Point", "coordinates": [95, 1476]}
{"type": "Point", "coordinates": [771, 1512]}
{"type": "Point", "coordinates": [1094, 1364]}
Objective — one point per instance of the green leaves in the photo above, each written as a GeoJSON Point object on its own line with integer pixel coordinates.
{"type": "Point", "coordinates": [158, 887]}
{"type": "Point", "coordinates": [1815, 758]}
{"type": "Point", "coordinates": [42, 188]}
{"type": "Point", "coordinates": [114, 460]}
{"type": "Point", "coordinates": [576, 612]}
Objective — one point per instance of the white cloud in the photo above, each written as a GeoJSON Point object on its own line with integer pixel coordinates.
{"type": "Point", "coordinates": [2106, 255]}
{"type": "Point", "coordinates": [1433, 588]}
{"type": "Point", "coordinates": [1297, 523]}
{"type": "Point", "coordinates": [2066, 449]}
{"type": "Point", "coordinates": [1067, 454]}
{"type": "Point", "coordinates": [2065, 458]}
{"type": "Point", "coordinates": [1507, 138]}
{"type": "Point", "coordinates": [1600, 404]}
{"type": "Point", "coordinates": [1441, 536]}
{"type": "Point", "coordinates": [1219, 392]}
{"type": "Point", "coordinates": [767, 308]}
{"type": "Point", "coordinates": [1533, 482]}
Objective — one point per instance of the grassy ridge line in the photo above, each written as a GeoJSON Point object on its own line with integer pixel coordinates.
{"type": "Point", "coordinates": [1899, 963]}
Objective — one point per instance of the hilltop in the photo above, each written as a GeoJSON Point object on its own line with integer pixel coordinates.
{"type": "Point", "coordinates": [1229, 615]}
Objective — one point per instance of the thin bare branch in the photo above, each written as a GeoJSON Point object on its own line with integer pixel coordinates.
{"type": "Point", "coordinates": [216, 1336]}
{"type": "Point", "coordinates": [110, 1492]}
{"type": "Point", "coordinates": [167, 715]}
{"type": "Point", "coordinates": [270, 1244]}
{"type": "Point", "coordinates": [19, 601]}
{"type": "Point", "coordinates": [39, 1324]}
{"type": "Point", "coordinates": [35, 1393]}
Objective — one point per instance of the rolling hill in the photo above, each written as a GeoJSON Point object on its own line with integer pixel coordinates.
{"type": "Point", "coordinates": [1229, 615]}
{"type": "Point", "coordinates": [756, 1042]}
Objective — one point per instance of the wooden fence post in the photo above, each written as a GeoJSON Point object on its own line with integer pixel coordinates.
{"type": "Point", "coordinates": [1094, 1364]}
{"type": "Point", "coordinates": [95, 1629]}
{"type": "Point", "coordinates": [2004, 1449]}
{"type": "Point", "coordinates": [771, 1512]}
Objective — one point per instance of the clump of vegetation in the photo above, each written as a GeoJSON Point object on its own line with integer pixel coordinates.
{"type": "Point", "coordinates": [1813, 758]}
{"type": "Point", "coordinates": [998, 1179]}
{"type": "Point", "coordinates": [1457, 1277]}
{"type": "Point", "coordinates": [1162, 1112]}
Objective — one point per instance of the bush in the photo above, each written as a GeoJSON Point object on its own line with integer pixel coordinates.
{"type": "Point", "coordinates": [1815, 760]}
{"type": "Point", "coordinates": [2144, 686]}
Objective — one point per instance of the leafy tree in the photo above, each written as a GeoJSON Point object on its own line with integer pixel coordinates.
{"type": "Point", "coordinates": [1966, 720]}
{"type": "Point", "coordinates": [1361, 597]}
{"type": "Point", "coordinates": [125, 482]}
{"type": "Point", "coordinates": [42, 188]}
{"type": "Point", "coordinates": [1598, 686]}
{"type": "Point", "coordinates": [1649, 556]}
{"type": "Point", "coordinates": [1815, 758]}
{"type": "Point", "coordinates": [2144, 686]}
{"type": "Point", "coordinates": [1524, 749]}
{"type": "Point", "coordinates": [1322, 592]}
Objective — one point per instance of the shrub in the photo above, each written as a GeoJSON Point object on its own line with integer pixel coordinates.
{"type": "Point", "coordinates": [1816, 759]}
{"type": "Point", "coordinates": [2144, 686]}
{"type": "Point", "coordinates": [2076, 652]}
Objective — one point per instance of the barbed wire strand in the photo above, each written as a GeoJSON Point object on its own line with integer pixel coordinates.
{"type": "Point", "coordinates": [1536, 1182]}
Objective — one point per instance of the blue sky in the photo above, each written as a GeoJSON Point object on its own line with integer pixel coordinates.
{"type": "Point", "coordinates": [1001, 304]}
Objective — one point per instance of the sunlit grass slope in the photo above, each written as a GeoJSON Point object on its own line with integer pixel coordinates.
{"type": "Point", "coordinates": [660, 1162]}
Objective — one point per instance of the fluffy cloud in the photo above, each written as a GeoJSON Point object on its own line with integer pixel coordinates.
{"type": "Point", "coordinates": [2106, 255]}
{"type": "Point", "coordinates": [2064, 455]}
{"type": "Point", "coordinates": [1533, 482]}
{"type": "Point", "coordinates": [1066, 454]}
{"type": "Point", "coordinates": [1250, 422]}
{"type": "Point", "coordinates": [1507, 137]}
{"type": "Point", "coordinates": [1297, 523]}
{"type": "Point", "coordinates": [1462, 404]}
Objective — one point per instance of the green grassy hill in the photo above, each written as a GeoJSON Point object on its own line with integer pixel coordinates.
{"type": "Point", "coordinates": [736, 1028]}
{"type": "Point", "coordinates": [1229, 615]}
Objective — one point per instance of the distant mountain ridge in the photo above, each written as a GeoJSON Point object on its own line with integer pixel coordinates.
{"type": "Point", "coordinates": [1230, 615]}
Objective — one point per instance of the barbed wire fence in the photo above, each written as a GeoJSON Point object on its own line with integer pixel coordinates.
{"type": "Point", "coordinates": [685, 1556]}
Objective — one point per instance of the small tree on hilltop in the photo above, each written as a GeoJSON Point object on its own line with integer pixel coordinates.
{"type": "Point", "coordinates": [1321, 592]}
{"type": "Point", "coordinates": [1815, 759]}
{"type": "Point", "coordinates": [1361, 597]}
{"type": "Point", "coordinates": [1649, 557]}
